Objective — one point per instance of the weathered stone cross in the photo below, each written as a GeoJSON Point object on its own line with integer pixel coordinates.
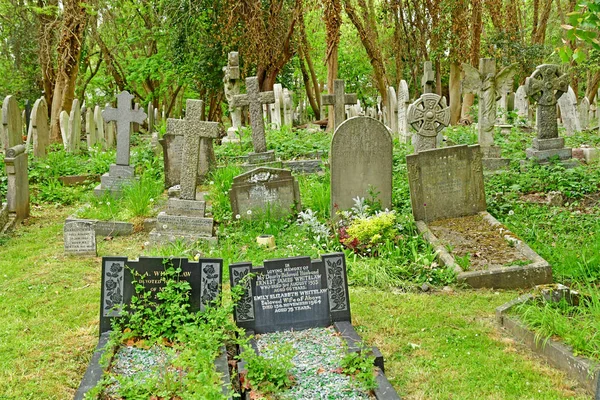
{"type": "Point", "coordinates": [194, 129]}
{"type": "Point", "coordinates": [124, 115]}
{"type": "Point", "coordinates": [545, 86]}
{"type": "Point", "coordinates": [428, 115]}
{"type": "Point", "coordinates": [254, 98]}
{"type": "Point", "coordinates": [338, 100]}
{"type": "Point", "coordinates": [428, 77]}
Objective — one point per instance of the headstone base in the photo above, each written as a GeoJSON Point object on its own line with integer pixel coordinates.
{"type": "Point", "coordinates": [504, 128]}
{"type": "Point", "coordinates": [190, 225]}
{"type": "Point", "coordinates": [115, 179]}
{"type": "Point", "coordinates": [164, 237]}
{"type": "Point", "coordinates": [231, 136]}
{"type": "Point", "coordinates": [495, 164]}
{"type": "Point", "coordinates": [546, 154]}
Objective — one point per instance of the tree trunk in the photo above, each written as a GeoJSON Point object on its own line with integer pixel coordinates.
{"type": "Point", "coordinates": [540, 30]}
{"type": "Point", "coordinates": [69, 53]}
{"type": "Point", "coordinates": [47, 43]}
{"type": "Point", "coordinates": [333, 22]}
{"type": "Point", "coordinates": [454, 93]}
{"type": "Point", "coordinates": [592, 86]}
{"type": "Point", "coordinates": [312, 91]}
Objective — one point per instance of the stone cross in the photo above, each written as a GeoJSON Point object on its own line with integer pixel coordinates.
{"type": "Point", "coordinates": [124, 115]}
{"type": "Point", "coordinates": [546, 85]}
{"type": "Point", "coordinates": [338, 100]}
{"type": "Point", "coordinates": [428, 116]}
{"type": "Point", "coordinates": [254, 98]}
{"type": "Point", "coordinates": [428, 77]}
{"type": "Point", "coordinates": [194, 130]}
{"type": "Point", "coordinates": [12, 132]}
{"type": "Point", "coordinates": [489, 86]}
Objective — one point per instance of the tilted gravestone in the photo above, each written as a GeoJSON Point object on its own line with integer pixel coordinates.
{"type": "Point", "coordinates": [361, 162]}
{"type": "Point", "coordinates": [12, 123]}
{"type": "Point", "coordinates": [40, 128]}
{"type": "Point", "coordinates": [80, 238]}
{"type": "Point", "coordinates": [338, 99]}
{"type": "Point", "coordinates": [74, 128]}
{"type": "Point", "coordinates": [121, 173]}
{"type": "Point", "coordinates": [546, 85]}
{"type": "Point", "coordinates": [428, 116]}
{"type": "Point", "coordinates": [265, 190]}
{"type": "Point", "coordinates": [446, 183]}
{"type": "Point", "coordinates": [17, 192]}
{"type": "Point", "coordinates": [489, 86]}
{"type": "Point", "coordinates": [254, 98]}
{"type": "Point", "coordinates": [568, 112]}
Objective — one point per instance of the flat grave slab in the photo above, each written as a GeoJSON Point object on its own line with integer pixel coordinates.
{"type": "Point", "coordinates": [559, 355]}
{"type": "Point", "coordinates": [497, 258]}
{"type": "Point", "coordinates": [117, 289]}
{"type": "Point", "coordinates": [297, 293]}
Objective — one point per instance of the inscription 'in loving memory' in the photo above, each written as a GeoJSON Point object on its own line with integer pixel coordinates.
{"type": "Point", "coordinates": [290, 289]}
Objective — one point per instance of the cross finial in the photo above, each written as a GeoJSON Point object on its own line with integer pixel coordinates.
{"type": "Point", "coordinates": [254, 98]}
{"type": "Point", "coordinates": [428, 77]}
{"type": "Point", "coordinates": [338, 100]}
{"type": "Point", "coordinates": [124, 115]}
{"type": "Point", "coordinates": [546, 84]}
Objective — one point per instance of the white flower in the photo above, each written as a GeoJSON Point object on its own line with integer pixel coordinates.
{"type": "Point", "coordinates": [47, 167]}
{"type": "Point", "coordinates": [211, 182]}
{"type": "Point", "coordinates": [151, 200]}
{"type": "Point", "coordinates": [108, 203]}
{"type": "Point", "coordinates": [249, 212]}
{"type": "Point", "coordinates": [511, 212]}
{"type": "Point", "coordinates": [238, 216]}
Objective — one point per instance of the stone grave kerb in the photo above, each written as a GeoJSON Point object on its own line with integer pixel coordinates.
{"type": "Point", "coordinates": [254, 98]}
{"type": "Point", "coordinates": [428, 78]}
{"type": "Point", "coordinates": [339, 99]}
{"type": "Point", "coordinates": [124, 115]}
{"type": "Point", "coordinates": [194, 130]}
{"type": "Point", "coordinates": [428, 116]}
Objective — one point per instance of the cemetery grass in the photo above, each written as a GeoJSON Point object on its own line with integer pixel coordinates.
{"type": "Point", "coordinates": [50, 324]}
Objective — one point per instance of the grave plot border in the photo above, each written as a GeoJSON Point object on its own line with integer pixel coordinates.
{"type": "Point", "coordinates": [114, 228]}
{"type": "Point", "coordinates": [384, 390]}
{"type": "Point", "coordinates": [538, 272]}
{"type": "Point", "coordinates": [559, 355]}
{"type": "Point", "coordinates": [94, 371]}
{"type": "Point", "coordinates": [310, 163]}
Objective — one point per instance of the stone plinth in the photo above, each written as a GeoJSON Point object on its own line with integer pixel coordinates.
{"type": "Point", "coordinates": [115, 179]}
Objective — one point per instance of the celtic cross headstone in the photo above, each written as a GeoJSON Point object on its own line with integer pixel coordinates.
{"type": "Point", "coordinates": [428, 116]}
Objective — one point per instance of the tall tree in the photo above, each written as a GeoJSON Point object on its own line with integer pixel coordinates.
{"type": "Point", "coordinates": [333, 21]}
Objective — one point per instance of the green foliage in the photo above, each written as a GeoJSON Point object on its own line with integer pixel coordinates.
{"type": "Point", "coordinates": [268, 375]}
{"type": "Point", "coordinates": [366, 234]}
{"type": "Point", "coordinates": [315, 192]}
{"type": "Point", "coordinates": [221, 180]}
{"type": "Point", "coordinates": [359, 365]}
{"type": "Point", "coordinates": [583, 24]}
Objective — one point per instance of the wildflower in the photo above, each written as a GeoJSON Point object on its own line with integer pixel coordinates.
{"type": "Point", "coordinates": [211, 182]}
{"type": "Point", "coordinates": [511, 212]}
{"type": "Point", "coordinates": [238, 216]}
{"type": "Point", "coordinates": [151, 200]}
{"type": "Point", "coordinates": [108, 203]}
{"type": "Point", "coordinates": [249, 212]}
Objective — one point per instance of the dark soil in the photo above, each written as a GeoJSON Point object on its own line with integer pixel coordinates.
{"type": "Point", "coordinates": [485, 245]}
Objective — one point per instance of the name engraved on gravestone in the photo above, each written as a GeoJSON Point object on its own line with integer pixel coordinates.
{"type": "Point", "coordinates": [80, 238]}
{"type": "Point", "coordinates": [292, 293]}
{"type": "Point", "coordinates": [119, 273]}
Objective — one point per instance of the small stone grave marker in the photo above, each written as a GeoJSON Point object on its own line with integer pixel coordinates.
{"type": "Point", "coordinates": [80, 238]}
{"type": "Point", "coordinates": [262, 189]}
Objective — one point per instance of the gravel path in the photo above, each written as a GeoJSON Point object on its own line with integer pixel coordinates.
{"type": "Point", "coordinates": [319, 353]}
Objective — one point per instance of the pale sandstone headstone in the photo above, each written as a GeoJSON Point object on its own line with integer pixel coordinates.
{"type": "Point", "coordinates": [360, 159]}
{"type": "Point", "coordinates": [74, 131]}
{"type": "Point", "coordinates": [403, 102]}
{"type": "Point", "coordinates": [99, 122]}
{"type": "Point", "coordinates": [63, 120]}
{"type": "Point", "coordinates": [39, 127]}
{"type": "Point", "coordinates": [90, 128]}
{"type": "Point", "coordinates": [392, 107]}
{"type": "Point", "coordinates": [568, 112]}
{"type": "Point", "coordinates": [288, 108]}
{"type": "Point", "coordinates": [17, 192]}
{"type": "Point", "coordinates": [110, 128]}
{"type": "Point", "coordinates": [12, 123]}
{"type": "Point", "coordinates": [265, 190]}
{"type": "Point", "coordinates": [338, 99]}
{"type": "Point", "coordinates": [446, 183]}
{"type": "Point", "coordinates": [584, 113]}
{"type": "Point", "coordinates": [522, 103]}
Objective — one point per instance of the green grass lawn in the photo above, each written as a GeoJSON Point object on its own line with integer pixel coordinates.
{"type": "Point", "coordinates": [436, 346]}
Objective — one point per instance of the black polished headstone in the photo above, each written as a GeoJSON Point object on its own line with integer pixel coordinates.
{"type": "Point", "coordinates": [204, 277]}
{"type": "Point", "coordinates": [292, 293]}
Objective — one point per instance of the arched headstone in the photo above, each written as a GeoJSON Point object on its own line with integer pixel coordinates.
{"type": "Point", "coordinates": [12, 123]}
{"type": "Point", "coordinates": [39, 128]}
{"type": "Point", "coordinates": [361, 162]}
